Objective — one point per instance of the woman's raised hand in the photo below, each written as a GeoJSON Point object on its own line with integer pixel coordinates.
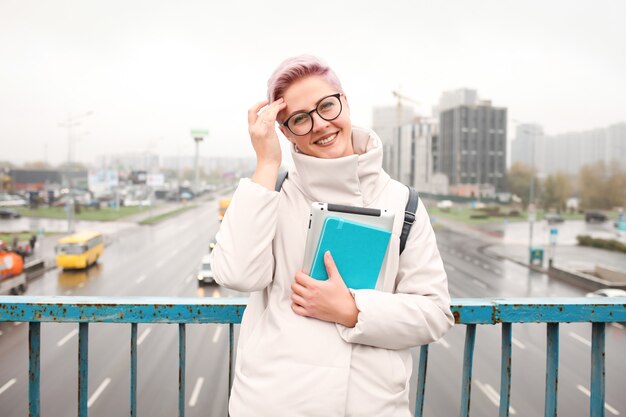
{"type": "Point", "coordinates": [263, 134]}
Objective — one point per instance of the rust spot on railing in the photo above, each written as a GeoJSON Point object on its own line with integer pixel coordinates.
{"type": "Point", "coordinates": [457, 316]}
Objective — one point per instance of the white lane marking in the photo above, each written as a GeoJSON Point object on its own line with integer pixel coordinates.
{"type": "Point", "coordinates": [188, 280]}
{"type": "Point", "coordinates": [161, 262]}
{"type": "Point", "coordinates": [467, 258]}
{"type": "Point", "coordinates": [450, 267]}
{"type": "Point", "coordinates": [98, 392]}
{"type": "Point", "coordinates": [580, 339]}
{"type": "Point", "coordinates": [8, 385]}
{"type": "Point", "coordinates": [493, 396]}
{"type": "Point", "coordinates": [486, 266]}
{"type": "Point", "coordinates": [476, 262]}
{"type": "Point", "coordinates": [443, 343]}
{"type": "Point", "coordinates": [68, 292]}
{"type": "Point", "coordinates": [479, 283]}
{"type": "Point", "coordinates": [497, 271]}
{"type": "Point", "coordinates": [216, 336]}
{"type": "Point", "coordinates": [518, 343]}
{"type": "Point", "coordinates": [140, 279]}
{"type": "Point", "coordinates": [67, 337]}
{"type": "Point", "coordinates": [175, 252]}
{"type": "Point", "coordinates": [618, 325]}
{"type": "Point", "coordinates": [196, 392]}
{"type": "Point", "coordinates": [606, 405]}
{"type": "Point", "coordinates": [143, 336]}
{"type": "Point", "coordinates": [16, 323]}
{"type": "Point", "coordinates": [1, 333]}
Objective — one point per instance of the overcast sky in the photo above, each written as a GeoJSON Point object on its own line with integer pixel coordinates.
{"type": "Point", "coordinates": [152, 70]}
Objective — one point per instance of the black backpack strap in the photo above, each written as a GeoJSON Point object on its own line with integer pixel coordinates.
{"type": "Point", "coordinates": [282, 176]}
{"type": "Point", "coordinates": [409, 216]}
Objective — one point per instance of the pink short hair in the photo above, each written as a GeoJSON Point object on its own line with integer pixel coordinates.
{"type": "Point", "coordinates": [298, 67]}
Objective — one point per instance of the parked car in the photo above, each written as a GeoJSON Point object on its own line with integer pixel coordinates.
{"type": "Point", "coordinates": [9, 213]}
{"type": "Point", "coordinates": [445, 205]}
{"type": "Point", "coordinates": [607, 292]}
{"type": "Point", "coordinates": [595, 217]}
{"type": "Point", "coordinates": [205, 274]}
{"type": "Point", "coordinates": [12, 200]}
{"type": "Point", "coordinates": [553, 218]}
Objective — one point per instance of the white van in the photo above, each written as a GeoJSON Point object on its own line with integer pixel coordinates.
{"type": "Point", "coordinates": [205, 274]}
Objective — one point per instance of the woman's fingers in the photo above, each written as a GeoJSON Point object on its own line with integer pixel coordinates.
{"type": "Point", "coordinates": [253, 112]}
{"type": "Point", "coordinates": [269, 115]}
{"type": "Point", "coordinates": [259, 116]}
{"type": "Point", "coordinates": [298, 300]}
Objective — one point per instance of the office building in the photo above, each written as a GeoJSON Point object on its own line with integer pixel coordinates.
{"type": "Point", "coordinates": [569, 152]}
{"type": "Point", "coordinates": [471, 148]}
{"type": "Point", "coordinates": [524, 144]}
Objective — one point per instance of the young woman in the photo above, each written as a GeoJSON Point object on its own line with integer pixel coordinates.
{"type": "Point", "coordinates": [309, 347]}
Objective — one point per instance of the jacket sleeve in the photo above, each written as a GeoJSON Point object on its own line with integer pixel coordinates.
{"type": "Point", "coordinates": [419, 311]}
{"type": "Point", "coordinates": [242, 258]}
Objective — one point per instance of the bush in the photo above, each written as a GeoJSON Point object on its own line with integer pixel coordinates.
{"type": "Point", "coordinates": [608, 244]}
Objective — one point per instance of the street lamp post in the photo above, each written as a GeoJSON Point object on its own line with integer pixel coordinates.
{"type": "Point", "coordinates": [71, 122]}
{"type": "Point", "coordinates": [198, 136]}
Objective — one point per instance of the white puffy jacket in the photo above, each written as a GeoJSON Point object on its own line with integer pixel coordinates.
{"type": "Point", "coordinates": [289, 365]}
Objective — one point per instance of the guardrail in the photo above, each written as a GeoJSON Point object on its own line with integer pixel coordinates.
{"type": "Point", "coordinates": [181, 311]}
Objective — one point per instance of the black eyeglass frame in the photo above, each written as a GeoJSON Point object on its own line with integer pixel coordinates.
{"type": "Point", "coordinates": [310, 113]}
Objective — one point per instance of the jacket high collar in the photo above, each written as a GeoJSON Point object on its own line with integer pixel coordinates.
{"type": "Point", "coordinates": [354, 180]}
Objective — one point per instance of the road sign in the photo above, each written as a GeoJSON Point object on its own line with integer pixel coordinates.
{"type": "Point", "coordinates": [554, 232]}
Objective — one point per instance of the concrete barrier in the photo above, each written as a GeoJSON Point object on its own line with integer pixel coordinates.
{"type": "Point", "coordinates": [611, 274]}
{"type": "Point", "coordinates": [583, 279]}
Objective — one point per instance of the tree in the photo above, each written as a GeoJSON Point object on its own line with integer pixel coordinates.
{"type": "Point", "coordinates": [556, 190]}
{"type": "Point", "coordinates": [36, 165]}
{"type": "Point", "coordinates": [602, 186]}
{"type": "Point", "coordinates": [518, 181]}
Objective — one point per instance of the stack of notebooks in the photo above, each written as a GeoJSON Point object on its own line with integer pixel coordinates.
{"type": "Point", "coordinates": [357, 238]}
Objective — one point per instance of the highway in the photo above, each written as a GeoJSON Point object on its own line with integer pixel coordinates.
{"type": "Point", "coordinates": [162, 260]}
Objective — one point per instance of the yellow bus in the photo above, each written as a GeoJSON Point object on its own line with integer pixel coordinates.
{"type": "Point", "coordinates": [80, 250]}
{"type": "Point", "coordinates": [223, 205]}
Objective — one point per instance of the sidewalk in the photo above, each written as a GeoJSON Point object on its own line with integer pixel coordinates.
{"type": "Point", "coordinates": [567, 255]}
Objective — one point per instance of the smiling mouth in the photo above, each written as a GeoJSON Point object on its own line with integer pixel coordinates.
{"type": "Point", "coordinates": [325, 140]}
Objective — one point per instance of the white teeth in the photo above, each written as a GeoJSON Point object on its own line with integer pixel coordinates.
{"type": "Point", "coordinates": [324, 141]}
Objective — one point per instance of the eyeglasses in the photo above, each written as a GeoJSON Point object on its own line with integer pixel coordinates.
{"type": "Point", "coordinates": [328, 108]}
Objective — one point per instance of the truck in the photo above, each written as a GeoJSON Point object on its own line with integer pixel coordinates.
{"type": "Point", "coordinates": [222, 206]}
{"type": "Point", "coordinates": [12, 276]}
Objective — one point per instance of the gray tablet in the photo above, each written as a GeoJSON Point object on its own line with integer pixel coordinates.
{"type": "Point", "coordinates": [380, 218]}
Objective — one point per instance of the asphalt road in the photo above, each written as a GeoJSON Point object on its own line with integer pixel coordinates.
{"type": "Point", "coordinates": [162, 260]}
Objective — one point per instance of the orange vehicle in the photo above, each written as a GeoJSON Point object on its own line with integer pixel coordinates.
{"type": "Point", "coordinates": [12, 277]}
{"type": "Point", "coordinates": [223, 205]}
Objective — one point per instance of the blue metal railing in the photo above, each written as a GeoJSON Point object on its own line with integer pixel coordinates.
{"type": "Point", "coordinates": [469, 312]}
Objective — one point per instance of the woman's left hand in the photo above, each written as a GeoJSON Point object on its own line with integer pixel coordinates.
{"type": "Point", "coordinates": [324, 300]}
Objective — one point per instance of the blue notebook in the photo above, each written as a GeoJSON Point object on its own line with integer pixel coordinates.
{"type": "Point", "coordinates": [358, 250]}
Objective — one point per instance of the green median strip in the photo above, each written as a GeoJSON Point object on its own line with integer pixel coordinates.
{"type": "Point", "coordinates": [93, 214]}
{"type": "Point", "coordinates": [160, 217]}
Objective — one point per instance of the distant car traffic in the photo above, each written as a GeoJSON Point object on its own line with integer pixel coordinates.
{"type": "Point", "coordinates": [8, 213]}
{"type": "Point", "coordinates": [12, 200]}
{"type": "Point", "coordinates": [595, 217]}
{"type": "Point", "coordinates": [553, 218]}
{"type": "Point", "coordinates": [444, 204]}
{"type": "Point", "coordinates": [205, 274]}
{"type": "Point", "coordinates": [607, 292]}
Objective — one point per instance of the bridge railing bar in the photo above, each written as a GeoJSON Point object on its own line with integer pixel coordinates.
{"type": "Point", "coordinates": [469, 312]}
{"type": "Point", "coordinates": [505, 369]}
{"type": "Point", "coordinates": [552, 369]}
